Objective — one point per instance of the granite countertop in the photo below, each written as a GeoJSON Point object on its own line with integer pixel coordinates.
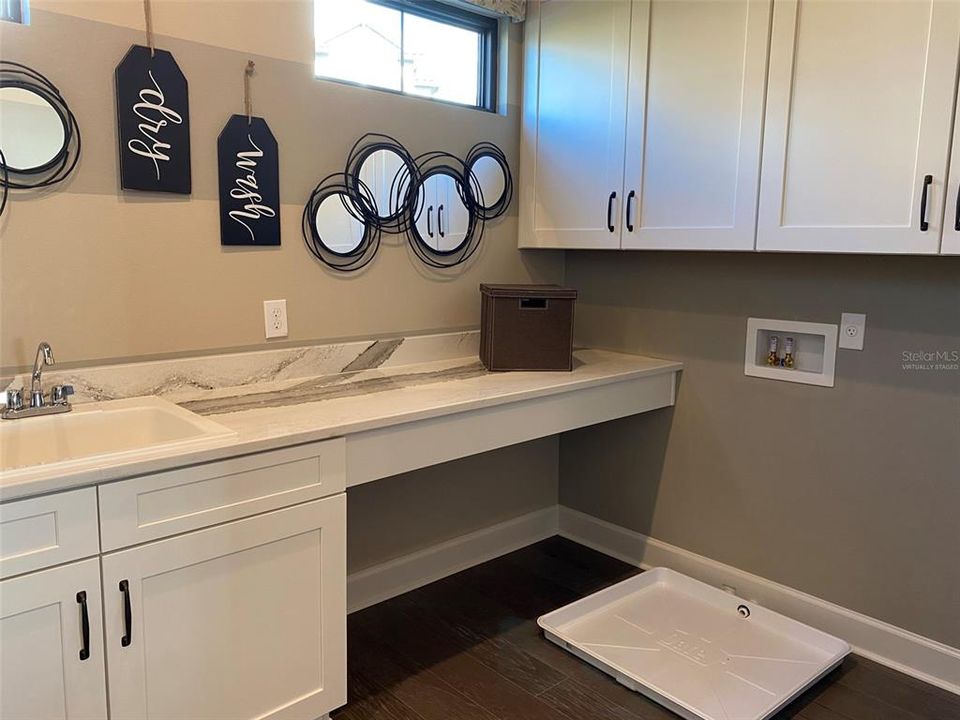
{"type": "Point", "coordinates": [276, 413]}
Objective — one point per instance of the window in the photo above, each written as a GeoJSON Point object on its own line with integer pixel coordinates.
{"type": "Point", "coordinates": [417, 48]}
{"type": "Point", "coordinates": [13, 10]}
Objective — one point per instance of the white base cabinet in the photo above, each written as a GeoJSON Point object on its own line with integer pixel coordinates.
{"type": "Point", "coordinates": [51, 645]}
{"type": "Point", "coordinates": [232, 607]}
{"type": "Point", "coordinates": [240, 621]}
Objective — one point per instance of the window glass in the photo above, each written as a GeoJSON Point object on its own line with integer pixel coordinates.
{"type": "Point", "coordinates": [423, 48]}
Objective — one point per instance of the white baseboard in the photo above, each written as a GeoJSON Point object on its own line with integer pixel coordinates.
{"type": "Point", "coordinates": [907, 652]}
{"type": "Point", "coordinates": [395, 577]}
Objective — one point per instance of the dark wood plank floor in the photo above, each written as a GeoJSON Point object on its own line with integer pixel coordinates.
{"type": "Point", "coordinates": [469, 647]}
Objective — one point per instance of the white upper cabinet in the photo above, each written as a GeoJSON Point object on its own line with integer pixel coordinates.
{"type": "Point", "coordinates": [776, 125]}
{"type": "Point", "coordinates": [950, 244]}
{"type": "Point", "coordinates": [575, 100]}
{"type": "Point", "coordinates": [859, 110]}
{"type": "Point", "coordinates": [694, 128]}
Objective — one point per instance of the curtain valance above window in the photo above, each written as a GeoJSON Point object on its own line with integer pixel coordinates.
{"type": "Point", "coordinates": [516, 10]}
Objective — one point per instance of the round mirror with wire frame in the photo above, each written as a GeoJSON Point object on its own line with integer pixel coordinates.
{"type": "Point", "coordinates": [491, 182]}
{"type": "Point", "coordinates": [387, 169]}
{"type": "Point", "coordinates": [336, 226]}
{"type": "Point", "coordinates": [39, 137]}
{"type": "Point", "coordinates": [444, 227]}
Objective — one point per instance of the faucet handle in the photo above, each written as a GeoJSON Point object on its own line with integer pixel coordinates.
{"type": "Point", "coordinates": [15, 399]}
{"type": "Point", "coordinates": [59, 394]}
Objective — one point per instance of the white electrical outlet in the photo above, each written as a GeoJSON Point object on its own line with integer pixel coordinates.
{"type": "Point", "coordinates": [853, 326]}
{"type": "Point", "coordinates": [275, 318]}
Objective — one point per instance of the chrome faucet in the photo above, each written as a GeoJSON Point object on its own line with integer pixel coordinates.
{"type": "Point", "coordinates": [38, 405]}
{"type": "Point", "coordinates": [44, 357]}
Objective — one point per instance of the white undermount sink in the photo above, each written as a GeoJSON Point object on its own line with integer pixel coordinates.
{"type": "Point", "coordinates": [95, 433]}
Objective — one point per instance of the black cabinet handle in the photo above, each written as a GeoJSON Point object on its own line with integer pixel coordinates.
{"type": "Point", "coordinates": [613, 196]}
{"type": "Point", "coordinates": [956, 219]}
{"type": "Point", "coordinates": [84, 625]}
{"type": "Point", "coordinates": [440, 220]}
{"type": "Point", "coordinates": [630, 198]}
{"type": "Point", "coordinates": [927, 182]}
{"type": "Point", "coordinates": [429, 216]}
{"type": "Point", "coordinates": [127, 613]}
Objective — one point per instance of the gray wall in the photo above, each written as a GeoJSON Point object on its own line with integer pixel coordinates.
{"type": "Point", "coordinates": [849, 493]}
{"type": "Point", "coordinates": [396, 516]}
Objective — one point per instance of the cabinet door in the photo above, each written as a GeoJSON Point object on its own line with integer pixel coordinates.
{"type": "Point", "coordinates": [859, 110]}
{"type": "Point", "coordinates": [242, 620]}
{"type": "Point", "coordinates": [44, 672]}
{"type": "Point", "coordinates": [950, 245]}
{"type": "Point", "coordinates": [575, 96]}
{"type": "Point", "coordinates": [695, 116]}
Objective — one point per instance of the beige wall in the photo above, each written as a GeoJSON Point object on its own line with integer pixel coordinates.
{"type": "Point", "coordinates": [850, 493]}
{"type": "Point", "coordinates": [130, 274]}
{"type": "Point", "coordinates": [103, 274]}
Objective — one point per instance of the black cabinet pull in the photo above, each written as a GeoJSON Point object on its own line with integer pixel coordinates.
{"type": "Point", "coordinates": [127, 613]}
{"type": "Point", "coordinates": [956, 219]}
{"type": "Point", "coordinates": [440, 220]}
{"type": "Point", "coordinates": [429, 216]}
{"type": "Point", "coordinates": [613, 196]}
{"type": "Point", "coordinates": [630, 198]}
{"type": "Point", "coordinates": [927, 182]}
{"type": "Point", "coordinates": [84, 625]}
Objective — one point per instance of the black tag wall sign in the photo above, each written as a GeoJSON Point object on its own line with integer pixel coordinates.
{"type": "Point", "coordinates": [249, 169]}
{"type": "Point", "coordinates": [153, 119]}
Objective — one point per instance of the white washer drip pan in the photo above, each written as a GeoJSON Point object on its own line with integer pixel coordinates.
{"type": "Point", "coordinates": [699, 651]}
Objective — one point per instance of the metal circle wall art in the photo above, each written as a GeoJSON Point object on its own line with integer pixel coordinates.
{"type": "Point", "coordinates": [39, 136]}
{"type": "Point", "coordinates": [337, 223]}
{"type": "Point", "coordinates": [490, 179]}
{"type": "Point", "coordinates": [440, 202]}
{"type": "Point", "coordinates": [445, 228]}
{"type": "Point", "coordinates": [389, 172]}
{"type": "Point", "coordinates": [4, 177]}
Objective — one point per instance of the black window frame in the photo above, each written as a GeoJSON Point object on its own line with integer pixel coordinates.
{"type": "Point", "coordinates": [488, 29]}
{"type": "Point", "coordinates": [12, 11]}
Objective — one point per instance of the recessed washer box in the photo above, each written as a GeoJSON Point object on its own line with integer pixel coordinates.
{"type": "Point", "coordinates": [699, 651]}
{"type": "Point", "coordinates": [814, 344]}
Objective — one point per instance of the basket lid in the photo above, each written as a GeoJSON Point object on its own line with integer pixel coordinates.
{"type": "Point", "coordinates": [517, 291]}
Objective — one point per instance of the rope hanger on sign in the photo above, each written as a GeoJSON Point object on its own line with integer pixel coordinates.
{"type": "Point", "coordinates": [148, 18]}
{"type": "Point", "coordinates": [247, 99]}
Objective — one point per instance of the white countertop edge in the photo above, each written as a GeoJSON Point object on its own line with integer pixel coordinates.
{"type": "Point", "coordinates": [159, 460]}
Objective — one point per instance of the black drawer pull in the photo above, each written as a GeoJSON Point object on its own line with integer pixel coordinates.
{"type": "Point", "coordinates": [927, 182]}
{"type": "Point", "coordinates": [429, 216]}
{"type": "Point", "coordinates": [533, 303]}
{"type": "Point", "coordinates": [84, 625]}
{"type": "Point", "coordinates": [613, 196]}
{"type": "Point", "coordinates": [440, 220]}
{"type": "Point", "coordinates": [630, 198]}
{"type": "Point", "coordinates": [127, 613]}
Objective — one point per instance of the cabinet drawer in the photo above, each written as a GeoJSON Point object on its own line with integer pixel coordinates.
{"type": "Point", "coordinates": [49, 530]}
{"type": "Point", "coordinates": [154, 506]}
